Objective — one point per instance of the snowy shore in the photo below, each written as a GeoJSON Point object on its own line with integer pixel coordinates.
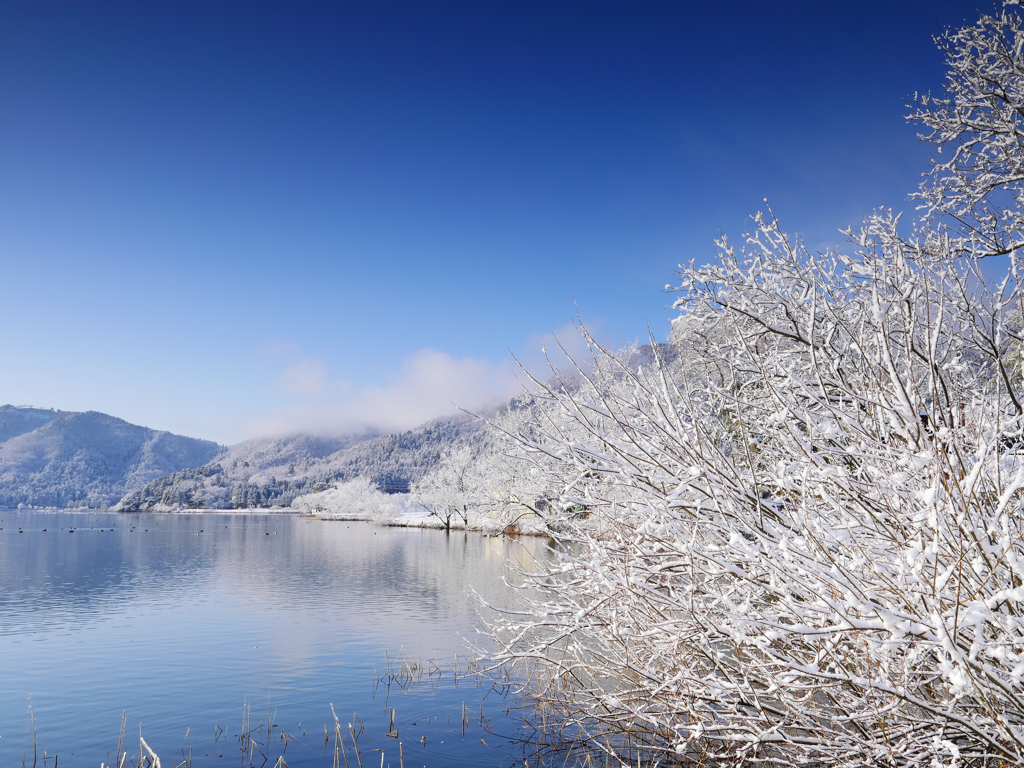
{"type": "Point", "coordinates": [401, 512]}
{"type": "Point", "coordinates": [359, 500]}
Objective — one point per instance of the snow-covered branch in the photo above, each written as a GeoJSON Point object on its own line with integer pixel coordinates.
{"type": "Point", "coordinates": [809, 539]}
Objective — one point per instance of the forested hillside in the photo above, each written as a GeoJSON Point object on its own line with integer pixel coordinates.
{"type": "Point", "coordinates": [60, 459]}
{"type": "Point", "coordinates": [52, 458]}
{"type": "Point", "coordinates": [17, 420]}
{"type": "Point", "coordinates": [272, 472]}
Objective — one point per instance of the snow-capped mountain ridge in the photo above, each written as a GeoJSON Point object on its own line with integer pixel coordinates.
{"type": "Point", "coordinates": [53, 458]}
{"type": "Point", "coordinates": [273, 471]}
{"type": "Point", "coordinates": [67, 459]}
{"type": "Point", "coordinates": [59, 458]}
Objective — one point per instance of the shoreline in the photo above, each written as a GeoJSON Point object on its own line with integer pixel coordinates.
{"type": "Point", "coordinates": [487, 527]}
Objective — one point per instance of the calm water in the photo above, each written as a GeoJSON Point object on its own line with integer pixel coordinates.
{"type": "Point", "coordinates": [179, 619]}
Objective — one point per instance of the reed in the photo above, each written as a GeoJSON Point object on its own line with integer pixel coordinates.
{"type": "Point", "coordinates": [355, 746]}
{"type": "Point", "coordinates": [542, 744]}
{"type": "Point", "coordinates": [30, 725]}
{"type": "Point", "coordinates": [145, 751]}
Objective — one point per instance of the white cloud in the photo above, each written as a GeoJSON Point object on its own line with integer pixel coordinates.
{"type": "Point", "coordinates": [306, 377]}
{"type": "Point", "coordinates": [429, 384]}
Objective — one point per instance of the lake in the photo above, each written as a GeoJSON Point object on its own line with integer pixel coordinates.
{"type": "Point", "coordinates": [180, 620]}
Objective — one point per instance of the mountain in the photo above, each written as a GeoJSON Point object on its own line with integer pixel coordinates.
{"type": "Point", "coordinates": [272, 472]}
{"type": "Point", "coordinates": [51, 458]}
{"type": "Point", "coordinates": [18, 419]}
{"type": "Point", "coordinates": [63, 459]}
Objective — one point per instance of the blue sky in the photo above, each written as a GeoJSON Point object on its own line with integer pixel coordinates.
{"type": "Point", "coordinates": [231, 219]}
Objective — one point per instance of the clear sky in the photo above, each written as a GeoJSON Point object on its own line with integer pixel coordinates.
{"type": "Point", "coordinates": [230, 219]}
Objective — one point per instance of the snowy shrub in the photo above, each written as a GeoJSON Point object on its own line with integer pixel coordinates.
{"type": "Point", "coordinates": [383, 509]}
{"type": "Point", "coordinates": [356, 499]}
{"type": "Point", "coordinates": [812, 543]}
{"type": "Point", "coordinates": [812, 548]}
{"type": "Point", "coordinates": [457, 489]}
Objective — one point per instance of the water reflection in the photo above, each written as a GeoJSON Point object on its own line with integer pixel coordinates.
{"type": "Point", "coordinates": [178, 618]}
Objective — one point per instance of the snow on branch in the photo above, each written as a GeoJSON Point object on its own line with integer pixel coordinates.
{"type": "Point", "coordinates": [800, 534]}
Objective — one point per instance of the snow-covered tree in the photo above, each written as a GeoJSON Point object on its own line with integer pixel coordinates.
{"type": "Point", "coordinates": [356, 498]}
{"type": "Point", "coordinates": [977, 180]}
{"type": "Point", "coordinates": [456, 489]}
{"type": "Point", "coordinates": [811, 543]}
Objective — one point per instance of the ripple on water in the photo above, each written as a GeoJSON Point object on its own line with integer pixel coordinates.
{"type": "Point", "coordinates": [179, 618]}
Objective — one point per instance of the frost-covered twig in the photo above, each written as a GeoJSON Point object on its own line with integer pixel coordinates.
{"type": "Point", "coordinates": [810, 540]}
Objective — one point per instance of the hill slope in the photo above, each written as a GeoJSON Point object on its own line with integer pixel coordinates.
{"type": "Point", "coordinates": [272, 472]}
{"type": "Point", "coordinates": [61, 459]}
{"type": "Point", "coordinates": [17, 420]}
{"type": "Point", "coordinates": [85, 459]}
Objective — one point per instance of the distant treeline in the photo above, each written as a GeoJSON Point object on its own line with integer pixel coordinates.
{"type": "Point", "coordinates": [273, 475]}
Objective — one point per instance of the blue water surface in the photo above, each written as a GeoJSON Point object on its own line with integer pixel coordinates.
{"type": "Point", "coordinates": [182, 620]}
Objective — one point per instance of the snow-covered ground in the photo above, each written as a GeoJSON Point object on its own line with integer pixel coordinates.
{"type": "Point", "coordinates": [359, 500]}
